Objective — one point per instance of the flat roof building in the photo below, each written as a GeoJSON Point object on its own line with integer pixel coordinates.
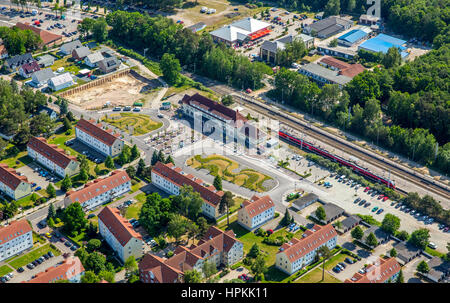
{"type": "Point", "coordinates": [382, 43]}
{"type": "Point", "coordinates": [328, 27]}
{"type": "Point", "coordinates": [323, 75]}
{"type": "Point", "coordinates": [241, 31]}
{"type": "Point", "coordinates": [353, 36]}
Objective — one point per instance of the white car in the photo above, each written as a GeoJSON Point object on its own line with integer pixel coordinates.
{"type": "Point", "coordinates": [432, 245]}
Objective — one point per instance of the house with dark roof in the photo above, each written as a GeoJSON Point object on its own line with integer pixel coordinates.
{"type": "Point", "coordinates": [269, 49]}
{"type": "Point", "coordinates": [12, 184]}
{"type": "Point", "coordinates": [93, 59]}
{"type": "Point", "coordinates": [439, 270]}
{"type": "Point", "coordinates": [102, 140]}
{"type": "Point", "coordinates": [100, 191]}
{"type": "Point", "coordinates": [256, 211]}
{"type": "Point", "coordinates": [80, 53]}
{"type": "Point", "coordinates": [298, 253]}
{"type": "Point", "coordinates": [71, 269]}
{"type": "Point", "coordinates": [109, 65]}
{"type": "Point", "coordinates": [406, 252]}
{"type": "Point", "coordinates": [41, 77]}
{"type": "Point", "coordinates": [305, 201]}
{"type": "Point", "coordinates": [380, 271]}
{"type": "Point", "coordinates": [380, 234]}
{"type": "Point", "coordinates": [15, 62]}
{"type": "Point", "coordinates": [15, 238]}
{"type": "Point", "coordinates": [48, 38]}
{"type": "Point", "coordinates": [48, 111]}
{"type": "Point", "coordinates": [332, 212]}
{"type": "Point", "coordinates": [171, 179]}
{"type": "Point", "coordinates": [52, 157]}
{"type": "Point", "coordinates": [217, 246]}
{"type": "Point", "coordinates": [46, 60]}
{"type": "Point", "coordinates": [220, 122]}
{"type": "Point", "coordinates": [26, 70]}
{"type": "Point", "coordinates": [349, 223]}
{"type": "Point", "coordinates": [327, 27]}
{"type": "Point", "coordinates": [68, 47]}
{"type": "Point", "coordinates": [119, 234]}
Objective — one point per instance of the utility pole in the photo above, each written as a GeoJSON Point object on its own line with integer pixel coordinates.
{"type": "Point", "coordinates": [145, 50]}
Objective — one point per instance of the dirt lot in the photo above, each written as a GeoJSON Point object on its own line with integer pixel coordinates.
{"type": "Point", "coordinates": [121, 91]}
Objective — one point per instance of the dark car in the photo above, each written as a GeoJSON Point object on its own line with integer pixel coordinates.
{"type": "Point", "coordinates": [2, 280]}
{"type": "Point", "coordinates": [35, 263]}
{"type": "Point", "coordinates": [20, 269]}
{"type": "Point", "coordinates": [50, 254]}
{"type": "Point", "coordinates": [46, 257]}
{"type": "Point", "coordinates": [342, 264]}
{"type": "Point", "coordinates": [68, 244]}
{"type": "Point", "coordinates": [357, 200]}
{"type": "Point", "coordinates": [336, 269]}
{"type": "Point", "coordinates": [349, 261]}
{"type": "Point", "coordinates": [73, 248]}
{"type": "Point", "coordinates": [30, 266]}
{"type": "Point", "coordinates": [367, 204]}
{"type": "Point", "coordinates": [362, 202]}
{"type": "Point", "coordinates": [38, 261]}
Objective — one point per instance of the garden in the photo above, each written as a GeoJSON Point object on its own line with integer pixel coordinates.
{"type": "Point", "coordinates": [136, 124]}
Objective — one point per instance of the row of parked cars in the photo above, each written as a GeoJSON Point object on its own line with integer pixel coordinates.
{"type": "Point", "coordinates": [373, 193]}
{"type": "Point", "coordinates": [344, 180]}
{"type": "Point", "coordinates": [126, 109]}
{"type": "Point", "coordinates": [341, 265]}
{"type": "Point", "coordinates": [37, 261]}
{"type": "Point", "coordinates": [149, 241]}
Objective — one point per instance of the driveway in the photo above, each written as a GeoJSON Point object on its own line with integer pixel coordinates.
{"type": "Point", "coordinates": [27, 274]}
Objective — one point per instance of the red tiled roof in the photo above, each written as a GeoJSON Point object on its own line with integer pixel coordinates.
{"type": "Point", "coordinates": [315, 237]}
{"type": "Point", "coordinates": [32, 67]}
{"type": "Point", "coordinates": [99, 186]}
{"type": "Point", "coordinates": [173, 174]}
{"type": "Point", "coordinates": [162, 272]}
{"type": "Point", "coordinates": [379, 272]}
{"type": "Point", "coordinates": [3, 50]}
{"type": "Point", "coordinates": [68, 269]}
{"type": "Point", "coordinates": [50, 151]}
{"type": "Point", "coordinates": [184, 258]}
{"type": "Point", "coordinates": [211, 106]}
{"type": "Point", "coordinates": [14, 230]}
{"type": "Point", "coordinates": [47, 37]}
{"type": "Point", "coordinates": [118, 225]}
{"type": "Point", "coordinates": [258, 205]}
{"type": "Point", "coordinates": [335, 63]}
{"type": "Point", "coordinates": [353, 70]}
{"type": "Point", "coordinates": [10, 178]}
{"type": "Point", "coordinates": [96, 131]}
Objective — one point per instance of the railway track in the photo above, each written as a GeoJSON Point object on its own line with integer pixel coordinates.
{"type": "Point", "coordinates": [432, 186]}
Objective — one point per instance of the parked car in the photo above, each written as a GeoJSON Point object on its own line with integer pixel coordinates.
{"type": "Point", "coordinates": [357, 200]}
{"type": "Point", "coordinates": [20, 270]}
{"type": "Point", "coordinates": [374, 209]}
{"type": "Point", "coordinates": [73, 248]}
{"type": "Point", "coordinates": [337, 269]}
{"type": "Point", "coordinates": [68, 244]}
{"type": "Point", "coordinates": [342, 264]}
{"type": "Point", "coordinates": [50, 254]}
{"type": "Point", "coordinates": [432, 245]}
{"type": "Point", "coordinates": [367, 204]}
{"type": "Point", "coordinates": [349, 261]}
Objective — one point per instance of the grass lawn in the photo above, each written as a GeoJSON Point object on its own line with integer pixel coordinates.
{"type": "Point", "coordinates": [26, 202]}
{"type": "Point", "coordinates": [79, 238]}
{"type": "Point", "coordinates": [137, 124]}
{"type": "Point", "coordinates": [315, 276]}
{"type": "Point", "coordinates": [224, 167]}
{"type": "Point", "coordinates": [38, 238]}
{"type": "Point", "coordinates": [21, 159]}
{"type": "Point", "coordinates": [23, 260]}
{"type": "Point", "coordinates": [133, 209]}
{"type": "Point", "coordinates": [136, 186]}
{"type": "Point", "coordinates": [334, 261]}
{"type": "Point", "coordinates": [5, 269]}
{"type": "Point", "coordinates": [68, 64]}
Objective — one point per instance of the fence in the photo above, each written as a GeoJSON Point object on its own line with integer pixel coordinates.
{"type": "Point", "coordinates": [100, 81]}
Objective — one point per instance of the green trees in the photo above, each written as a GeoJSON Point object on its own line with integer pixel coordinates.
{"type": "Point", "coordinates": [357, 233]}
{"type": "Point", "coordinates": [66, 184]}
{"type": "Point", "coordinates": [393, 252]}
{"type": "Point", "coordinates": [217, 182]}
{"type": "Point", "coordinates": [188, 203]}
{"type": "Point", "coordinates": [423, 267]}
{"type": "Point", "coordinates": [225, 203]}
{"type": "Point", "coordinates": [109, 163]}
{"type": "Point", "coordinates": [96, 262]}
{"type": "Point", "coordinates": [131, 171]}
{"type": "Point", "coordinates": [324, 253]}
{"type": "Point", "coordinates": [371, 240]}
{"type": "Point", "coordinates": [51, 191]}
{"type": "Point", "coordinates": [392, 58]}
{"type": "Point", "coordinates": [320, 213]}
{"type": "Point", "coordinates": [51, 211]}
{"type": "Point", "coordinates": [73, 218]}
{"type": "Point", "coordinates": [154, 158]}
{"type": "Point", "coordinates": [390, 223]}
{"type": "Point", "coordinates": [259, 267]}
{"type": "Point", "coordinates": [400, 277]}
{"type": "Point", "coordinates": [93, 245]}
{"type": "Point", "coordinates": [420, 238]}
{"type": "Point", "coordinates": [19, 41]}
{"type": "Point", "coordinates": [209, 269]}
{"type": "Point", "coordinates": [155, 213]}
{"type": "Point", "coordinates": [292, 52]}
{"type": "Point", "coordinates": [89, 277]}
{"type": "Point", "coordinates": [254, 251]}
{"type": "Point", "coordinates": [227, 100]}
{"type": "Point", "coordinates": [287, 219]}
{"type": "Point", "coordinates": [99, 30]}
{"type": "Point", "coordinates": [170, 67]}
{"type": "Point", "coordinates": [177, 226]}
{"type": "Point", "coordinates": [332, 8]}
{"type": "Point", "coordinates": [192, 276]}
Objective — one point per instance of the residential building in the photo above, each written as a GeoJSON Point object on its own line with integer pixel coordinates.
{"type": "Point", "coordinates": [381, 271]}
{"type": "Point", "coordinates": [67, 48]}
{"type": "Point", "coordinates": [15, 62]}
{"type": "Point", "coordinates": [382, 43]}
{"type": "Point", "coordinates": [46, 60]}
{"type": "Point", "coordinates": [119, 234]}
{"type": "Point", "coordinates": [52, 157]}
{"type": "Point", "coordinates": [216, 246]}
{"type": "Point", "coordinates": [269, 49]}
{"type": "Point", "coordinates": [102, 140]}
{"type": "Point", "coordinates": [354, 36]}
{"type": "Point", "coordinates": [221, 122]}
{"type": "Point", "coordinates": [80, 53]}
{"type": "Point", "coordinates": [327, 27]}
{"type": "Point", "coordinates": [323, 75]}
{"type": "Point", "coordinates": [15, 238]}
{"type": "Point", "coordinates": [171, 179]}
{"type": "Point", "coordinates": [93, 59]}
{"type": "Point", "coordinates": [338, 51]}
{"type": "Point", "coordinates": [100, 191]}
{"type": "Point", "coordinates": [241, 31]}
{"type": "Point", "coordinates": [109, 65]}
{"type": "Point", "coordinates": [439, 270]}
{"type": "Point", "coordinates": [41, 77]}
{"type": "Point", "coordinates": [70, 269]}
{"type": "Point", "coordinates": [3, 52]}
{"type": "Point", "coordinates": [61, 81]}
{"type": "Point", "coordinates": [256, 211]}
{"type": "Point", "coordinates": [332, 212]}
{"type": "Point", "coordinates": [298, 253]}
{"type": "Point", "coordinates": [26, 70]}
{"type": "Point", "coordinates": [305, 201]}
{"type": "Point", "coordinates": [47, 110]}
{"type": "Point", "coordinates": [48, 38]}
{"type": "Point", "coordinates": [12, 184]}
{"type": "Point", "coordinates": [406, 252]}
{"type": "Point", "coordinates": [343, 68]}
{"type": "Point", "coordinates": [380, 235]}
{"type": "Point", "coordinates": [350, 222]}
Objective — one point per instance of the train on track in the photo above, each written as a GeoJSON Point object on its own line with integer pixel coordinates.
{"type": "Point", "coordinates": [310, 147]}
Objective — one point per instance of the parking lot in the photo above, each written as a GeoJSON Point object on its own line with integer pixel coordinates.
{"type": "Point", "coordinates": [86, 150]}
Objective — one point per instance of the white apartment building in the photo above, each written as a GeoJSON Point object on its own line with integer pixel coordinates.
{"type": "Point", "coordinates": [298, 253]}
{"type": "Point", "coordinates": [256, 212]}
{"type": "Point", "coordinates": [119, 234]}
{"type": "Point", "coordinates": [15, 238]}
{"type": "Point", "coordinates": [170, 179]}
{"type": "Point", "coordinates": [100, 191]}
{"type": "Point", "coordinates": [229, 125]}
{"type": "Point", "coordinates": [103, 141]}
{"type": "Point", "coordinates": [13, 185]}
{"type": "Point", "coordinates": [52, 157]}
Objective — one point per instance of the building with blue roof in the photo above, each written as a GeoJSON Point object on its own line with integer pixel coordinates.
{"type": "Point", "coordinates": [352, 37]}
{"type": "Point", "coordinates": [382, 43]}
